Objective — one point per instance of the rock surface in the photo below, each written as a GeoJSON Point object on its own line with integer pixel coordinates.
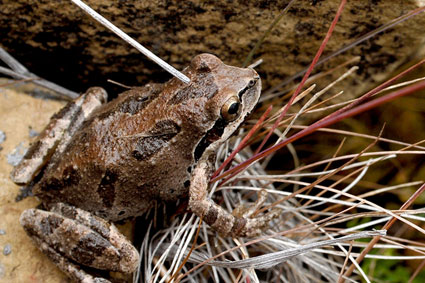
{"type": "Point", "coordinates": [58, 41]}
{"type": "Point", "coordinates": [19, 113]}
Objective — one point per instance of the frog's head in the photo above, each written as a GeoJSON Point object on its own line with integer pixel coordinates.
{"type": "Point", "coordinates": [227, 95]}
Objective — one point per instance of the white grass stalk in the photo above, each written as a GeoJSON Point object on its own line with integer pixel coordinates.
{"type": "Point", "coordinates": [173, 71]}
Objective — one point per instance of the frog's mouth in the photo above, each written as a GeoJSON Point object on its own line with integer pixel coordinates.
{"type": "Point", "coordinates": [213, 135]}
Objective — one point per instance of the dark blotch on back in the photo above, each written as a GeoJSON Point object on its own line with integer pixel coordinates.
{"type": "Point", "coordinates": [135, 101]}
{"type": "Point", "coordinates": [70, 177]}
{"type": "Point", "coordinates": [134, 104]}
{"type": "Point", "coordinates": [106, 189]}
{"type": "Point", "coordinates": [162, 132]}
{"type": "Point", "coordinates": [165, 127]}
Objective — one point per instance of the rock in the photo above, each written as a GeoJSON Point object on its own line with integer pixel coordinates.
{"type": "Point", "coordinates": [2, 136]}
{"type": "Point", "coordinates": [58, 41]}
{"type": "Point", "coordinates": [18, 112]}
{"type": "Point", "coordinates": [7, 250]}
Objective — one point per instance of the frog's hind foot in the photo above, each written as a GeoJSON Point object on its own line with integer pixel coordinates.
{"type": "Point", "coordinates": [72, 237]}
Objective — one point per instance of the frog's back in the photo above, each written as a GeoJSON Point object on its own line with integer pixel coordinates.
{"type": "Point", "coordinates": [129, 154]}
{"type": "Point", "coordinates": [111, 171]}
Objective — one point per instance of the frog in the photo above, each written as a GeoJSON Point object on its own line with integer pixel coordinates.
{"type": "Point", "coordinates": [99, 162]}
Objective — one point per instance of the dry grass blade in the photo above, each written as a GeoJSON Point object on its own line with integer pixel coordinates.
{"type": "Point", "coordinates": [19, 72]}
{"type": "Point", "coordinates": [272, 259]}
{"type": "Point", "coordinates": [260, 41]}
{"type": "Point", "coordinates": [131, 41]}
{"type": "Point", "coordinates": [387, 226]}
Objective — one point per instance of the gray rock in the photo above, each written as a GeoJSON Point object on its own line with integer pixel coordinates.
{"type": "Point", "coordinates": [7, 250]}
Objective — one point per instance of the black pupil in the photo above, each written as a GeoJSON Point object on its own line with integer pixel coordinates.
{"type": "Point", "coordinates": [233, 109]}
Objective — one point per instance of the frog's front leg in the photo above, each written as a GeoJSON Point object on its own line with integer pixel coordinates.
{"type": "Point", "coordinates": [217, 217]}
{"type": "Point", "coordinates": [57, 134]}
{"type": "Point", "coordinates": [72, 237]}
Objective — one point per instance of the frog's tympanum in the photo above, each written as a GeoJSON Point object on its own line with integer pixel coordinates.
{"type": "Point", "coordinates": [99, 162]}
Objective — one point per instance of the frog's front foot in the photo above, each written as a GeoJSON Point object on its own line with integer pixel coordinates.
{"type": "Point", "coordinates": [243, 222]}
{"type": "Point", "coordinates": [72, 237]}
{"type": "Point", "coordinates": [255, 224]}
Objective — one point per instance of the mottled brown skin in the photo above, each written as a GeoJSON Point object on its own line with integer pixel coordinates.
{"type": "Point", "coordinates": [112, 161]}
{"type": "Point", "coordinates": [139, 148]}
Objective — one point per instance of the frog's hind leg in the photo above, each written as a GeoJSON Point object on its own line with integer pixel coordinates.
{"type": "Point", "coordinates": [240, 223]}
{"type": "Point", "coordinates": [57, 134]}
{"type": "Point", "coordinates": [73, 271]}
{"type": "Point", "coordinates": [72, 237]}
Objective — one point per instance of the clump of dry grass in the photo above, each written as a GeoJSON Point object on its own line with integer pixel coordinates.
{"type": "Point", "coordinates": [320, 208]}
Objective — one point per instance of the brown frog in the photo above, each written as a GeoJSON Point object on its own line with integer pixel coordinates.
{"type": "Point", "coordinates": [98, 162]}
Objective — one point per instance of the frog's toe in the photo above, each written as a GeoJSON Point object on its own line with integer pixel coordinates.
{"type": "Point", "coordinates": [255, 226]}
{"type": "Point", "coordinates": [246, 211]}
{"type": "Point", "coordinates": [80, 243]}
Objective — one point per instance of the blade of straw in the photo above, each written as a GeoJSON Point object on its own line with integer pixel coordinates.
{"type": "Point", "coordinates": [18, 71]}
{"type": "Point", "coordinates": [131, 41]}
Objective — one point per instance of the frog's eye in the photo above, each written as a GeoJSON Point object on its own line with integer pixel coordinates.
{"type": "Point", "coordinates": [231, 109]}
{"type": "Point", "coordinates": [252, 83]}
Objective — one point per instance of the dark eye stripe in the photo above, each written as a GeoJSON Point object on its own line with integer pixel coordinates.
{"type": "Point", "coordinates": [250, 85]}
{"type": "Point", "coordinates": [212, 135]}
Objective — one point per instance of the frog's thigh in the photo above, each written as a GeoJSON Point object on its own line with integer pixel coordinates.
{"type": "Point", "coordinates": [67, 232]}
{"type": "Point", "coordinates": [69, 117]}
{"type": "Point", "coordinates": [217, 217]}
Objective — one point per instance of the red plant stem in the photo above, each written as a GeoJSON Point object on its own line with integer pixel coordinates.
{"type": "Point", "coordinates": [307, 74]}
{"type": "Point", "coordinates": [373, 91]}
{"type": "Point", "coordinates": [324, 123]}
{"type": "Point", "coordinates": [387, 225]}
